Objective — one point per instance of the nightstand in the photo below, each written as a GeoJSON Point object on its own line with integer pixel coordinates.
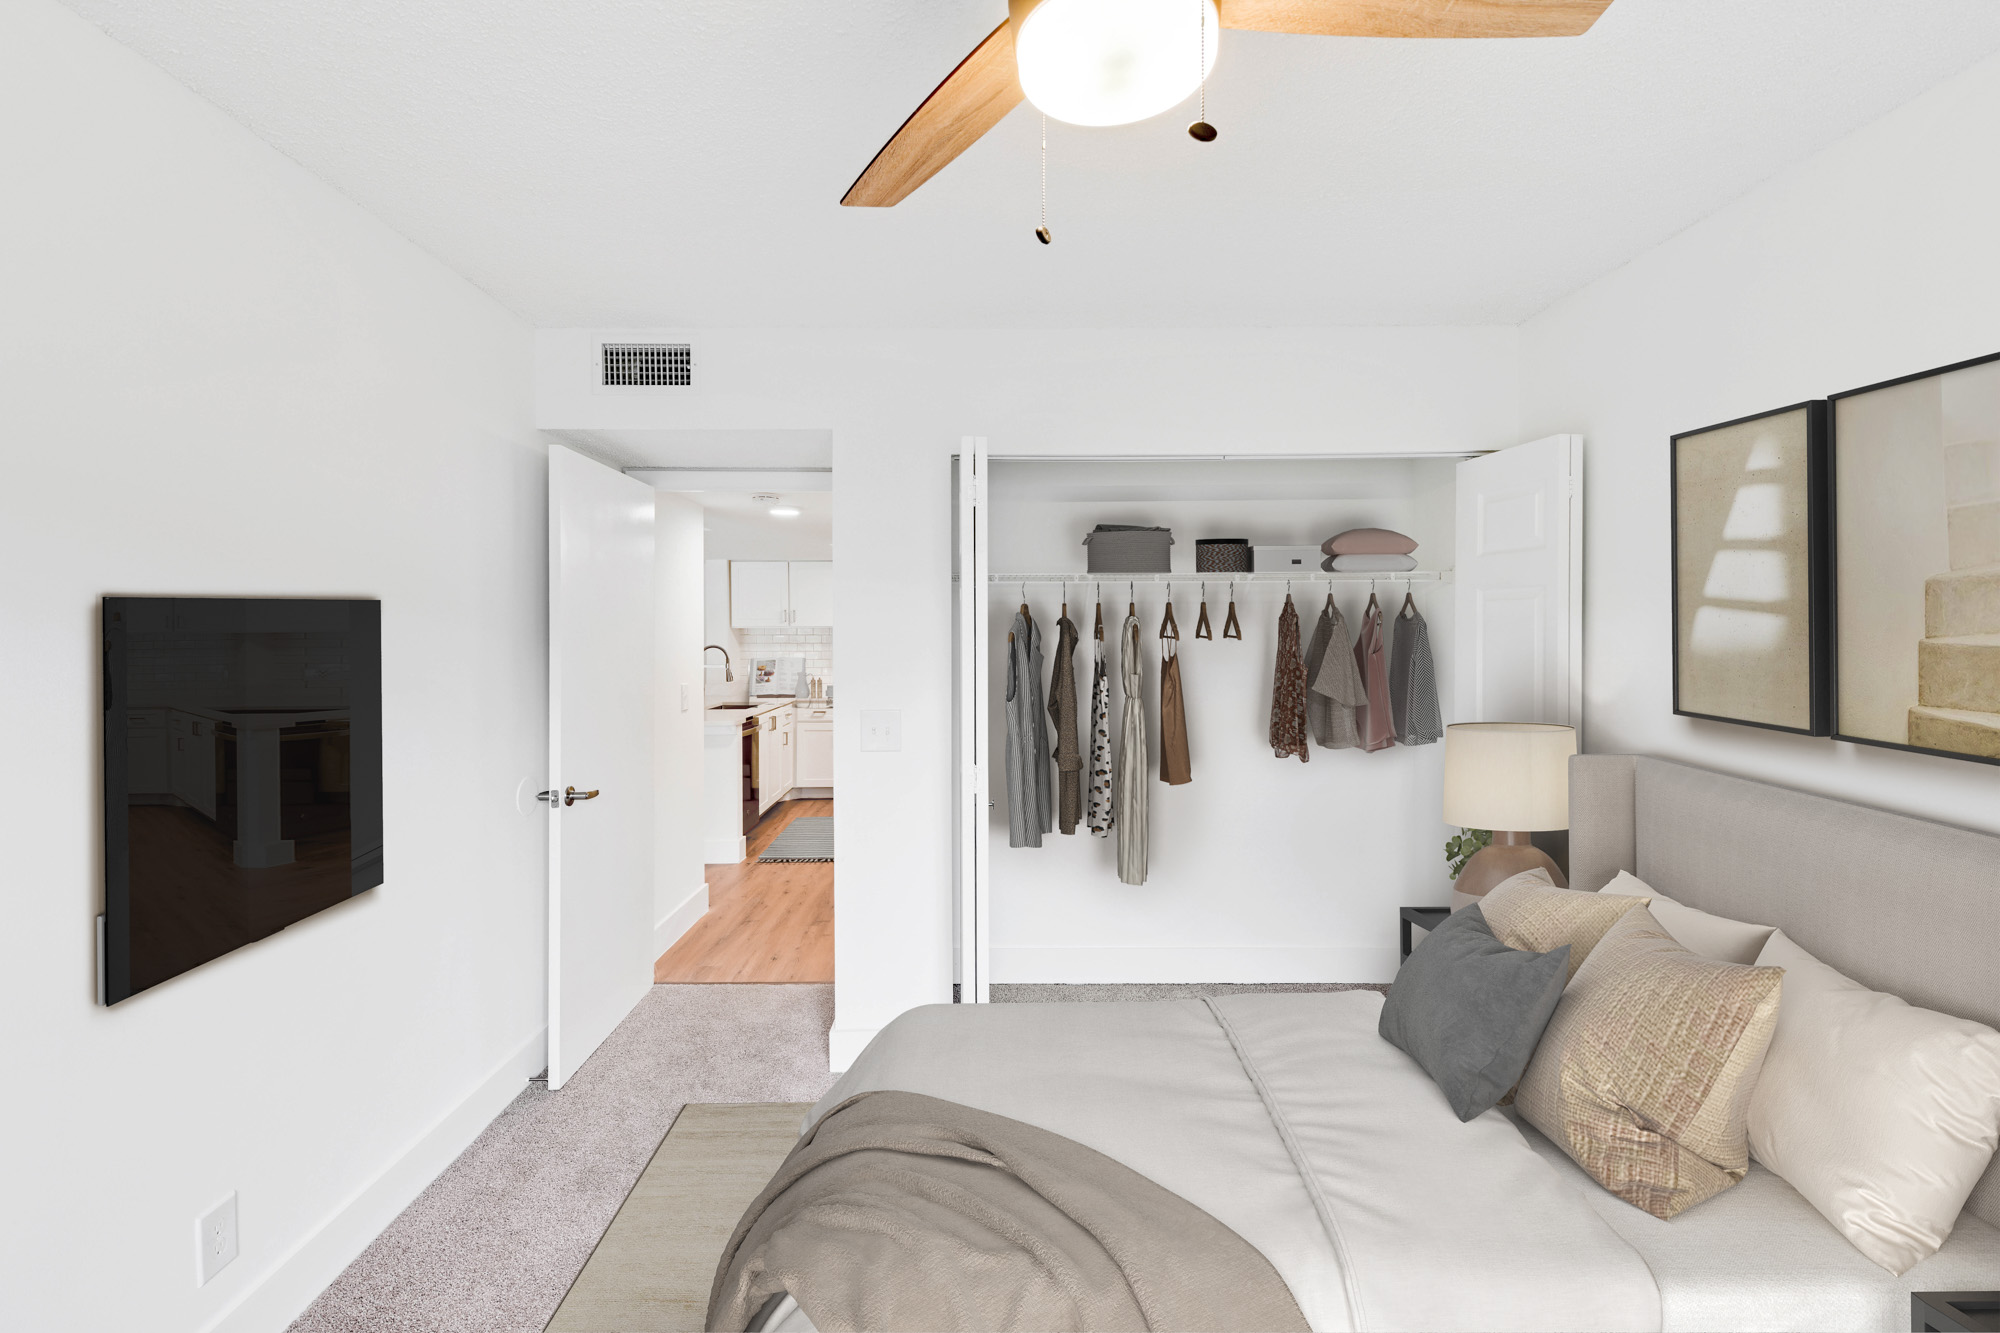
{"type": "Point", "coordinates": [1430, 918]}
{"type": "Point", "coordinates": [1954, 1311]}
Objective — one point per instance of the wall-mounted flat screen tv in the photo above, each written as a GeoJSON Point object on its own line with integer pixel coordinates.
{"type": "Point", "coordinates": [242, 773]}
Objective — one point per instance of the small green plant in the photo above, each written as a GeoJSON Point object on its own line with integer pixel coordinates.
{"type": "Point", "coordinates": [1459, 850]}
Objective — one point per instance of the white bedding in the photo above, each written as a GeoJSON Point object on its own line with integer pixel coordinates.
{"type": "Point", "coordinates": [1758, 1257]}
{"type": "Point", "coordinates": [1291, 1121]}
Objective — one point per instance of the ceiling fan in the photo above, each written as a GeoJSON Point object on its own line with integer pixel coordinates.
{"type": "Point", "coordinates": [1111, 62]}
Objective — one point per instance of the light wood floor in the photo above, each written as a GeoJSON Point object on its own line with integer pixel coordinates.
{"type": "Point", "coordinates": [770, 923]}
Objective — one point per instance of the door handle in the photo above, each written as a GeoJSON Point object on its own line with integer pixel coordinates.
{"type": "Point", "coordinates": [568, 796]}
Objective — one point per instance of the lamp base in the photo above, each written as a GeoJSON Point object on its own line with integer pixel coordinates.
{"type": "Point", "coordinates": [1499, 861]}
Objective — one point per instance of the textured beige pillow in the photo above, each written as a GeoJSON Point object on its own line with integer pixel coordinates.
{"type": "Point", "coordinates": [1882, 1114]}
{"type": "Point", "coordinates": [1528, 912]}
{"type": "Point", "coordinates": [1711, 936]}
{"type": "Point", "coordinates": [1645, 1071]}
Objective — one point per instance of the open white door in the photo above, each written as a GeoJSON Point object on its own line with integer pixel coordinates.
{"type": "Point", "coordinates": [600, 796]}
{"type": "Point", "coordinates": [1519, 605]}
{"type": "Point", "coordinates": [969, 606]}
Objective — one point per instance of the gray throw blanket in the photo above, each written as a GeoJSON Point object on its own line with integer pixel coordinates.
{"type": "Point", "coordinates": [900, 1211]}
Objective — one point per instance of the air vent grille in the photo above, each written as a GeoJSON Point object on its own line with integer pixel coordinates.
{"type": "Point", "coordinates": [648, 365]}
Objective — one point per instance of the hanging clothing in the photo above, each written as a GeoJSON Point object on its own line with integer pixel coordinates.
{"type": "Point", "coordinates": [1101, 815]}
{"type": "Point", "coordinates": [1028, 803]}
{"type": "Point", "coordinates": [1377, 728]}
{"type": "Point", "coordinates": [1413, 691]}
{"type": "Point", "coordinates": [1131, 761]}
{"type": "Point", "coordinates": [1336, 691]}
{"type": "Point", "coordinates": [1288, 690]}
{"type": "Point", "coordinates": [1174, 766]}
{"type": "Point", "coordinates": [1062, 710]}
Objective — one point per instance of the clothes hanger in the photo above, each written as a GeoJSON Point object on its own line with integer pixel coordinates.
{"type": "Point", "coordinates": [1373, 608]}
{"type": "Point", "coordinates": [1201, 627]}
{"type": "Point", "coordinates": [1409, 600]}
{"type": "Point", "coordinates": [1168, 623]}
{"type": "Point", "coordinates": [1100, 613]}
{"type": "Point", "coordinates": [1132, 606]}
{"type": "Point", "coordinates": [1232, 628]}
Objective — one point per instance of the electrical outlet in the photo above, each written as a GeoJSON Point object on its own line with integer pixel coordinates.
{"type": "Point", "coordinates": [684, 696]}
{"type": "Point", "coordinates": [882, 729]}
{"type": "Point", "coordinates": [216, 1237]}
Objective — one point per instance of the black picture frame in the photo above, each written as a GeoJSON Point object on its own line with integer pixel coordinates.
{"type": "Point", "coordinates": [1819, 567]}
{"type": "Point", "coordinates": [1833, 548]}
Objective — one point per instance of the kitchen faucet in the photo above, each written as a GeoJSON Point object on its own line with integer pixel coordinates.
{"type": "Point", "coordinates": [727, 673]}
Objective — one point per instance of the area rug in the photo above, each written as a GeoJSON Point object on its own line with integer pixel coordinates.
{"type": "Point", "coordinates": [651, 1270]}
{"type": "Point", "coordinates": [807, 838]}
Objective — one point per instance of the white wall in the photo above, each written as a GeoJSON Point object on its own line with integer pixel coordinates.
{"type": "Point", "coordinates": [898, 402]}
{"type": "Point", "coordinates": [217, 376]}
{"type": "Point", "coordinates": [680, 894]}
{"type": "Point", "coordinates": [1871, 260]}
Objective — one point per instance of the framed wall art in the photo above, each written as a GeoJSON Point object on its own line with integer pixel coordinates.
{"type": "Point", "coordinates": [1752, 623]}
{"type": "Point", "coordinates": [1916, 529]}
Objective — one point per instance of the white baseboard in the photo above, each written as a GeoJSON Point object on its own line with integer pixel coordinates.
{"type": "Point", "coordinates": [844, 1044]}
{"type": "Point", "coordinates": [1130, 965]}
{"type": "Point", "coordinates": [283, 1292]}
{"type": "Point", "coordinates": [675, 923]}
{"type": "Point", "coordinates": [809, 794]}
{"type": "Point", "coordinates": [724, 851]}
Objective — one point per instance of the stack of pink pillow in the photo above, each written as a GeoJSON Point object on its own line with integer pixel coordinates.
{"type": "Point", "coordinates": [1368, 551]}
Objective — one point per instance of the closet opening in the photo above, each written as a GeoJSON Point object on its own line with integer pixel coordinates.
{"type": "Point", "coordinates": [1242, 855]}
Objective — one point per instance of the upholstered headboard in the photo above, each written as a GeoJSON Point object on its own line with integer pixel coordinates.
{"type": "Point", "coordinates": [1899, 904]}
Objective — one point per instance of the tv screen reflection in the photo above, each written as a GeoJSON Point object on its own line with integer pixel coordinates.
{"type": "Point", "coordinates": [242, 773]}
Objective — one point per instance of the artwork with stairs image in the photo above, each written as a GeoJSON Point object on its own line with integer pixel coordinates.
{"type": "Point", "coordinates": [1958, 661]}
{"type": "Point", "coordinates": [1917, 478]}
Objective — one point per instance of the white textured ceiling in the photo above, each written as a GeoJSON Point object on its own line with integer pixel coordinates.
{"type": "Point", "coordinates": [678, 162]}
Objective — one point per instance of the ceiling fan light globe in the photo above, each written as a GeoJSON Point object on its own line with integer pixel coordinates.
{"type": "Point", "coordinates": [1112, 62]}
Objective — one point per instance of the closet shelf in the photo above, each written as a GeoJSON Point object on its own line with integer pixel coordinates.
{"type": "Point", "coordinates": [1292, 576]}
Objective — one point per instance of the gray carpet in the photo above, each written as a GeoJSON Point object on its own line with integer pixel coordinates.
{"type": "Point", "coordinates": [494, 1243]}
{"type": "Point", "coordinates": [807, 838]}
{"type": "Point", "coordinates": [1025, 993]}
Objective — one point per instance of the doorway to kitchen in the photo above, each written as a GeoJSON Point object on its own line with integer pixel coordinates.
{"type": "Point", "coordinates": [768, 729]}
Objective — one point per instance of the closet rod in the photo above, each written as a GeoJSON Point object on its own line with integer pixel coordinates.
{"type": "Point", "coordinates": [1300, 576]}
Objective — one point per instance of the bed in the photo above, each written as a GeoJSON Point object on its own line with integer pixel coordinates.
{"type": "Point", "coordinates": [1289, 1120]}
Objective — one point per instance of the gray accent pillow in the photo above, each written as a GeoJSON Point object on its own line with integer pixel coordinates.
{"type": "Point", "coordinates": [1469, 1010]}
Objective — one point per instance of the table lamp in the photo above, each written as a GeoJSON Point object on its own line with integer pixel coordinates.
{"type": "Point", "coordinates": [1512, 778]}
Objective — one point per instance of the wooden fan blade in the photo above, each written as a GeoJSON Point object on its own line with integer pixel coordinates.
{"type": "Point", "coordinates": [971, 100]}
{"type": "Point", "coordinates": [1415, 18]}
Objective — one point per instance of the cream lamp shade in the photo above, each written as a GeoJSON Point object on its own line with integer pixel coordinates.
{"type": "Point", "coordinates": [1507, 775]}
{"type": "Point", "coordinates": [1112, 62]}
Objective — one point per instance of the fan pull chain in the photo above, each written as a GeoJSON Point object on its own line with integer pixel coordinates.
{"type": "Point", "coordinates": [1201, 131]}
{"type": "Point", "coordinates": [1042, 232]}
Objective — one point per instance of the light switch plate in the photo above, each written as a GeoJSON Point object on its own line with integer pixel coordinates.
{"type": "Point", "coordinates": [217, 1239]}
{"type": "Point", "coordinates": [684, 696]}
{"type": "Point", "coordinates": [881, 728]}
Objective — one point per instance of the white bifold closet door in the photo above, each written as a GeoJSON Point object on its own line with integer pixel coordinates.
{"type": "Point", "coordinates": [970, 873]}
{"type": "Point", "coordinates": [1519, 578]}
{"type": "Point", "coordinates": [600, 741]}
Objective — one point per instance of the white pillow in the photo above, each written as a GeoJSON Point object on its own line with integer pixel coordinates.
{"type": "Point", "coordinates": [1699, 932]}
{"type": "Point", "coordinates": [1882, 1114]}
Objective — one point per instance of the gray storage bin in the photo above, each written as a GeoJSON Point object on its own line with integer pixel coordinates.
{"type": "Point", "coordinates": [1118, 548]}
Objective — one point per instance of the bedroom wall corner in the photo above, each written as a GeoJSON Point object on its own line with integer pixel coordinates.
{"type": "Point", "coordinates": [1872, 259]}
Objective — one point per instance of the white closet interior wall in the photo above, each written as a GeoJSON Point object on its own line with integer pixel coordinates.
{"type": "Point", "coordinates": [1261, 869]}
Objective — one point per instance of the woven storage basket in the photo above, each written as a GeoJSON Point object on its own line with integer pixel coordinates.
{"type": "Point", "coordinates": [1119, 549]}
{"type": "Point", "coordinates": [1222, 555]}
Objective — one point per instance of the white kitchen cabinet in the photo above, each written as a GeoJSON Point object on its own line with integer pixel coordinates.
{"type": "Point", "coordinates": [812, 592]}
{"type": "Point", "coordinates": [788, 751]}
{"type": "Point", "coordinates": [815, 747]}
{"type": "Point", "coordinates": [765, 594]}
{"type": "Point", "coordinates": [148, 753]}
{"type": "Point", "coordinates": [771, 783]}
{"type": "Point", "coordinates": [759, 593]}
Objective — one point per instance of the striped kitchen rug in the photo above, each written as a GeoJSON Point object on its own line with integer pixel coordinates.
{"type": "Point", "coordinates": [807, 838]}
